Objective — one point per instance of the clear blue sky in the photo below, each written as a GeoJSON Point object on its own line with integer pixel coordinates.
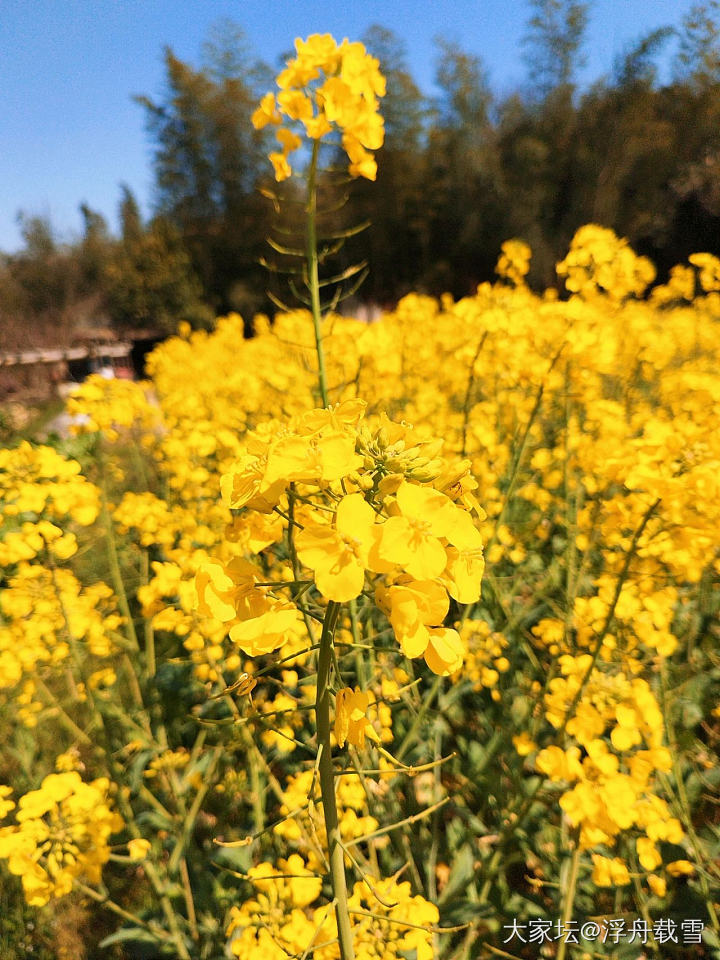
{"type": "Point", "coordinates": [70, 132]}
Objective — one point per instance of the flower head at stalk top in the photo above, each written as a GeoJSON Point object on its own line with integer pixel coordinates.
{"type": "Point", "coordinates": [327, 87]}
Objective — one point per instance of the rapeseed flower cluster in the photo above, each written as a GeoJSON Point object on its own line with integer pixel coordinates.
{"type": "Point", "coordinates": [46, 613]}
{"type": "Point", "coordinates": [598, 260]}
{"type": "Point", "coordinates": [304, 826]}
{"type": "Point", "coordinates": [367, 500]}
{"type": "Point", "coordinates": [281, 919]}
{"type": "Point", "coordinates": [486, 660]}
{"type": "Point", "coordinates": [613, 782]}
{"type": "Point", "coordinates": [328, 86]}
{"type": "Point", "coordinates": [61, 834]}
{"type": "Point", "coordinates": [42, 495]}
{"type": "Point", "coordinates": [514, 261]}
{"type": "Point", "coordinates": [114, 408]}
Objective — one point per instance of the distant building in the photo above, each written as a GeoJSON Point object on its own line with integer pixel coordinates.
{"type": "Point", "coordinates": [35, 375]}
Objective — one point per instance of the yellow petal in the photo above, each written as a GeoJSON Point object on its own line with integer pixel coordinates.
{"type": "Point", "coordinates": [392, 545]}
{"type": "Point", "coordinates": [427, 558]}
{"type": "Point", "coordinates": [343, 580]}
{"type": "Point", "coordinates": [355, 518]}
{"type": "Point", "coordinates": [445, 651]}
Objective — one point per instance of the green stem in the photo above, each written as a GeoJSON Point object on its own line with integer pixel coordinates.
{"type": "Point", "coordinates": [150, 869]}
{"type": "Point", "coordinates": [640, 899]}
{"type": "Point", "coordinates": [685, 808]}
{"type": "Point", "coordinates": [355, 628]}
{"type": "Point", "coordinates": [570, 713]}
{"type": "Point", "coordinates": [192, 814]}
{"type": "Point", "coordinates": [413, 818]}
{"type": "Point", "coordinates": [104, 900]}
{"type": "Point", "coordinates": [435, 822]}
{"type": "Point", "coordinates": [147, 622]}
{"type": "Point", "coordinates": [313, 279]}
{"type": "Point", "coordinates": [327, 783]}
{"type": "Point", "coordinates": [189, 900]}
{"type": "Point", "coordinates": [412, 733]}
{"type": "Point", "coordinates": [571, 515]}
{"type": "Point", "coordinates": [569, 899]}
{"type": "Point", "coordinates": [517, 460]}
{"type": "Point", "coordinates": [468, 395]}
{"type": "Point", "coordinates": [112, 554]}
{"type": "Point", "coordinates": [64, 717]}
{"type": "Point", "coordinates": [256, 786]}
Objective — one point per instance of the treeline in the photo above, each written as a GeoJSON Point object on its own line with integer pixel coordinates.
{"type": "Point", "coordinates": [459, 173]}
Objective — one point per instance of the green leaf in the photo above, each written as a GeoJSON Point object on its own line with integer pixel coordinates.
{"type": "Point", "coordinates": [461, 873]}
{"type": "Point", "coordinates": [126, 934]}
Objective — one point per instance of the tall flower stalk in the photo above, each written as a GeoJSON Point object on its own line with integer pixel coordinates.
{"type": "Point", "coordinates": [327, 87]}
{"type": "Point", "coordinates": [313, 274]}
{"type": "Point", "coordinates": [327, 782]}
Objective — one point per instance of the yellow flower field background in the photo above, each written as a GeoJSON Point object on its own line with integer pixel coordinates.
{"type": "Point", "coordinates": [457, 569]}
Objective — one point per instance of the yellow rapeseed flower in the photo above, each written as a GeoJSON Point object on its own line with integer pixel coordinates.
{"type": "Point", "coordinates": [326, 87]}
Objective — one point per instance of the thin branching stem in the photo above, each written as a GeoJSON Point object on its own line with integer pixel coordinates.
{"type": "Point", "coordinates": [327, 783]}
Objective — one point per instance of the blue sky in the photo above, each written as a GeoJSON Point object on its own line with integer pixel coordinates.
{"type": "Point", "coordinates": [70, 132]}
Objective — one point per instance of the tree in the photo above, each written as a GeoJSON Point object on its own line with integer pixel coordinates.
{"type": "Point", "coordinates": [95, 249]}
{"type": "Point", "coordinates": [698, 59]}
{"type": "Point", "coordinates": [130, 219]}
{"type": "Point", "coordinates": [637, 65]}
{"type": "Point", "coordinates": [45, 288]}
{"type": "Point", "coordinates": [628, 146]}
{"type": "Point", "coordinates": [554, 40]}
{"type": "Point", "coordinates": [395, 203]}
{"type": "Point", "coordinates": [461, 173]}
{"type": "Point", "coordinates": [48, 277]}
{"type": "Point", "coordinates": [207, 159]}
{"type": "Point", "coordinates": [150, 281]}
